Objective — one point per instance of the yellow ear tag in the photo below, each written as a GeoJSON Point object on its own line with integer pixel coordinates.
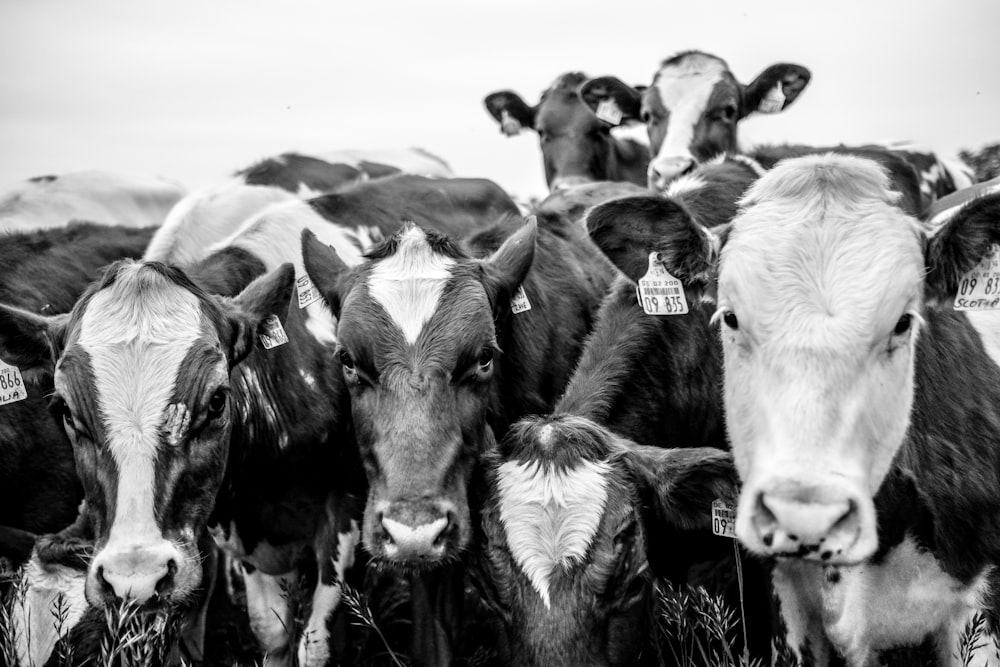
{"type": "Point", "coordinates": [608, 111]}
{"type": "Point", "coordinates": [659, 292]}
{"type": "Point", "coordinates": [979, 288]}
{"type": "Point", "coordinates": [273, 333]}
{"type": "Point", "coordinates": [774, 101]}
{"type": "Point", "coordinates": [11, 384]}
{"type": "Point", "coordinates": [509, 125]}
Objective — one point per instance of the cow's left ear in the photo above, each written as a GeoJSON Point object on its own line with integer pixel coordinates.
{"type": "Point", "coordinates": [774, 89]}
{"type": "Point", "coordinates": [30, 341]}
{"type": "Point", "coordinates": [607, 89]}
{"type": "Point", "coordinates": [326, 269]}
{"type": "Point", "coordinates": [507, 268]}
{"type": "Point", "coordinates": [676, 490]}
{"type": "Point", "coordinates": [253, 307]}
{"type": "Point", "coordinates": [960, 244]}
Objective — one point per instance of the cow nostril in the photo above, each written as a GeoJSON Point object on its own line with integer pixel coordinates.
{"type": "Point", "coordinates": [166, 582]}
{"type": "Point", "coordinates": [764, 514]}
{"type": "Point", "coordinates": [106, 589]}
{"type": "Point", "coordinates": [847, 517]}
{"type": "Point", "coordinates": [448, 529]}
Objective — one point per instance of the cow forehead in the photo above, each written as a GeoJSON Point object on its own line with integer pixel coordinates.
{"type": "Point", "coordinates": [690, 82]}
{"type": "Point", "coordinates": [408, 284]}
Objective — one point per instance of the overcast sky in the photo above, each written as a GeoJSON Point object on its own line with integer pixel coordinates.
{"type": "Point", "coordinates": [194, 89]}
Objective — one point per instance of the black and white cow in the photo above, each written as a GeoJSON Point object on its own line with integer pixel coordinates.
{"type": "Point", "coordinates": [439, 360]}
{"type": "Point", "coordinates": [211, 214]}
{"type": "Point", "coordinates": [938, 176]}
{"type": "Point", "coordinates": [576, 511]}
{"type": "Point", "coordinates": [577, 147]}
{"type": "Point", "coordinates": [862, 408]}
{"type": "Point", "coordinates": [100, 197]}
{"type": "Point", "coordinates": [181, 418]}
{"type": "Point", "coordinates": [692, 108]}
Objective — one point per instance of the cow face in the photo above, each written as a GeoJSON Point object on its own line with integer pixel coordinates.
{"type": "Point", "coordinates": [419, 351]}
{"type": "Point", "coordinates": [142, 387]}
{"type": "Point", "coordinates": [565, 527]}
{"type": "Point", "coordinates": [693, 106]}
{"type": "Point", "coordinates": [576, 146]}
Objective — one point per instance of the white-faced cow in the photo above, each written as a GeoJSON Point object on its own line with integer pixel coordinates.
{"type": "Point", "coordinates": [439, 360]}
{"type": "Point", "coordinates": [577, 147]}
{"type": "Point", "coordinates": [862, 409]}
{"type": "Point", "coordinates": [576, 511]}
{"type": "Point", "coordinates": [692, 108]}
{"type": "Point", "coordinates": [181, 418]}
{"type": "Point", "coordinates": [99, 197]}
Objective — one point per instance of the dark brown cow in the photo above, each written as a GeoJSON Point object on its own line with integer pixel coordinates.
{"type": "Point", "coordinates": [577, 147]}
{"type": "Point", "coordinates": [692, 108]}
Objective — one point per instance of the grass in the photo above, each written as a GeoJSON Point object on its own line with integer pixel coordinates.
{"type": "Point", "coordinates": [692, 627]}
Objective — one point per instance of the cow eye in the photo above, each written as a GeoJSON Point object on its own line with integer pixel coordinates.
{"type": "Point", "coordinates": [486, 359]}
{"type": "Point", "coordinates": [727, 113]}
{"type": "Point", "coordinates": [903, 325]}
{"type": "Point", "coordinates": [729, 317]}
{"type": "Point", "coordinates": [217, 403]}
{"type": "Point", "coordinates": [645, 116]}
{"type": "Point", "coordinates": [350, 370]}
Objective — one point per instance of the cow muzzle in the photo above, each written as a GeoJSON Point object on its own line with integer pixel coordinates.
{"type": "Point", "coordinates": [664, 170]}
{"type": "Point", "coordinates": [140, 572]}
{"type": "Point", "coordinates": [831, 524]}
{"type": "Point", "coordinates": [415, 532]}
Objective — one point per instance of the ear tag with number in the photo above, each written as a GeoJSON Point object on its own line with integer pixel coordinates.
{"type": "Point", "coordinates": [519, 302]}
{"type": "Point", "coordinates": [659, 292]}
{"type": "Point", "coordinates": [723, 519]}
{"type": "Point", "coordinates": [307, 291]}
{"type": "Point", "coordinates": [509, 125]}
{"type": "Point", "coordinates": [979, 289]}
{"type": "Point", "coordinates": [608, 111]}
{"type": "Point", "coordinates": [774, 101]}
{"type": "Point", "coordinates": [11, 384]}
{"type": "Point", "coordinates": [273, 333]}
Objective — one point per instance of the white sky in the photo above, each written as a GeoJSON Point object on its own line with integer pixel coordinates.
{"type": "Point", "coordinates": [194, 89]}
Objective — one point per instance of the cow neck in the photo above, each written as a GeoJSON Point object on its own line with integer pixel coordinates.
{"type": "Point", "coordinates": [942, 482]}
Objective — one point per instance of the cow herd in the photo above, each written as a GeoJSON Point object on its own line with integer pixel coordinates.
{"type": "Point", "coordinates": [350, 362]}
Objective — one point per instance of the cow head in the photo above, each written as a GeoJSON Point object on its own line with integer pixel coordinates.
{"type": "Point", "coordinates": [822, 289]}
{"type": "Point", "coordinates": [576, 146]}
{"type": "Point", "coordinates": [692, 108]}
{"type": "Point", "coordinates": [567, 525]}
{"type": "Point", "coordinates": [418, 346]}
{"type": "Point", "coordinates": [142, 370]}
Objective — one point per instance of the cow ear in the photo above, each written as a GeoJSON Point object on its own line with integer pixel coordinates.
{"type": "Point", "coordinates": [628, 230]}
{"type": "Point", "coordinates": [325, 268]}
{"type": "Point", "coordinates": [774, 88]}
{"type": "Point", "coordinates": [253, 307]}
{"type": "Point", "coordinates": [676, 490]}
{"type": "Point", "coordinates": [508, 109]}
{"type": "Point", "coordinates": [960, 244]}
{"type": "Point", "coordinates": [606, 89]}
{"type": "Point", "coordinates": [31, 341]}
{"type": "Point", "coordinates": [507, 268]}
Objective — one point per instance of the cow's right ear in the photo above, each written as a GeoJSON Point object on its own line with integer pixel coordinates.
{"type": "Point", "coordinates": [31, 341]}
{"type": "Point", "coordinates": [326, 269]}
{"type": "Point", "coordinates": [508, 109]}
{"type": "Point", "coordinates": [960, 244]}
{"type": "Point", "coordinates": [251, 309]}
{"type": "Point", "coordinates": [604, 89]}
{"type": "Point", "coordinates": [628, 230]}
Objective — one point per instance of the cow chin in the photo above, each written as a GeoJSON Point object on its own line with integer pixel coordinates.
{"type": "Point", "coordinates": [416, 533]}
{"type": "Point", "coordinates": [157, 575]}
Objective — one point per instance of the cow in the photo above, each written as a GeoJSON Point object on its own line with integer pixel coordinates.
{"type": "Point", "coordinates": [861, 404]}
{"type": "Point", "coordinates": [938, 176]}
{"type": "Point", "coordinates": [211, 214]}
{"type": "Point", "coordinates": [576, 484]}
{"type": "Point", "coordinates": [100, 197]}
{"type": "Point", "coordinates": [692, 108]}
{"type": "Point", "coordinates": [943, 209]}
{"type": "Point", "coordinates": [443, 345]}
{"type": "Point", "coordinates": [577, 147]}
{"type": "Point", "coordinates": [573, 202]}
{"type": "Point", "coordinates": [182, 419]}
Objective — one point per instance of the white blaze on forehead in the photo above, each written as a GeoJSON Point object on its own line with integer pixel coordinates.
{"type": "Point", "coordinates": [409, 283]}
{"type": "Point", "coordinates": [684, 90]}
{"type": "Point", "coordinates": [137, 332]}
{"type": "Point", "coordinates": [551, 515]}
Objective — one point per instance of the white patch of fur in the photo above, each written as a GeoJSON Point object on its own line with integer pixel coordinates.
{"type": "Point", "coordinates": [550, 516]}
{"type": "Point", "coordinates": [271, 616]}
{"type": "Point", "coordinates": [409, 283]}
{"type": "Point", "coordinates": [137, 332]}
{"type": "Point", "coordinates": [987, 324]}
{"type": "Point", "coordinates": [308, 378]}
{"type": "Point", "coordinates": [408, 160]}
{"type": "Point", "coordinates": [684, 90]}
{"type": "Point", "coordinates": [683, 185]}
{"type": "Point", "coordinates": [35, 626]}
{"type": "Point", "coordinates": [314, 650]}
{"type": "Point", "coordinates": [204, 217]}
